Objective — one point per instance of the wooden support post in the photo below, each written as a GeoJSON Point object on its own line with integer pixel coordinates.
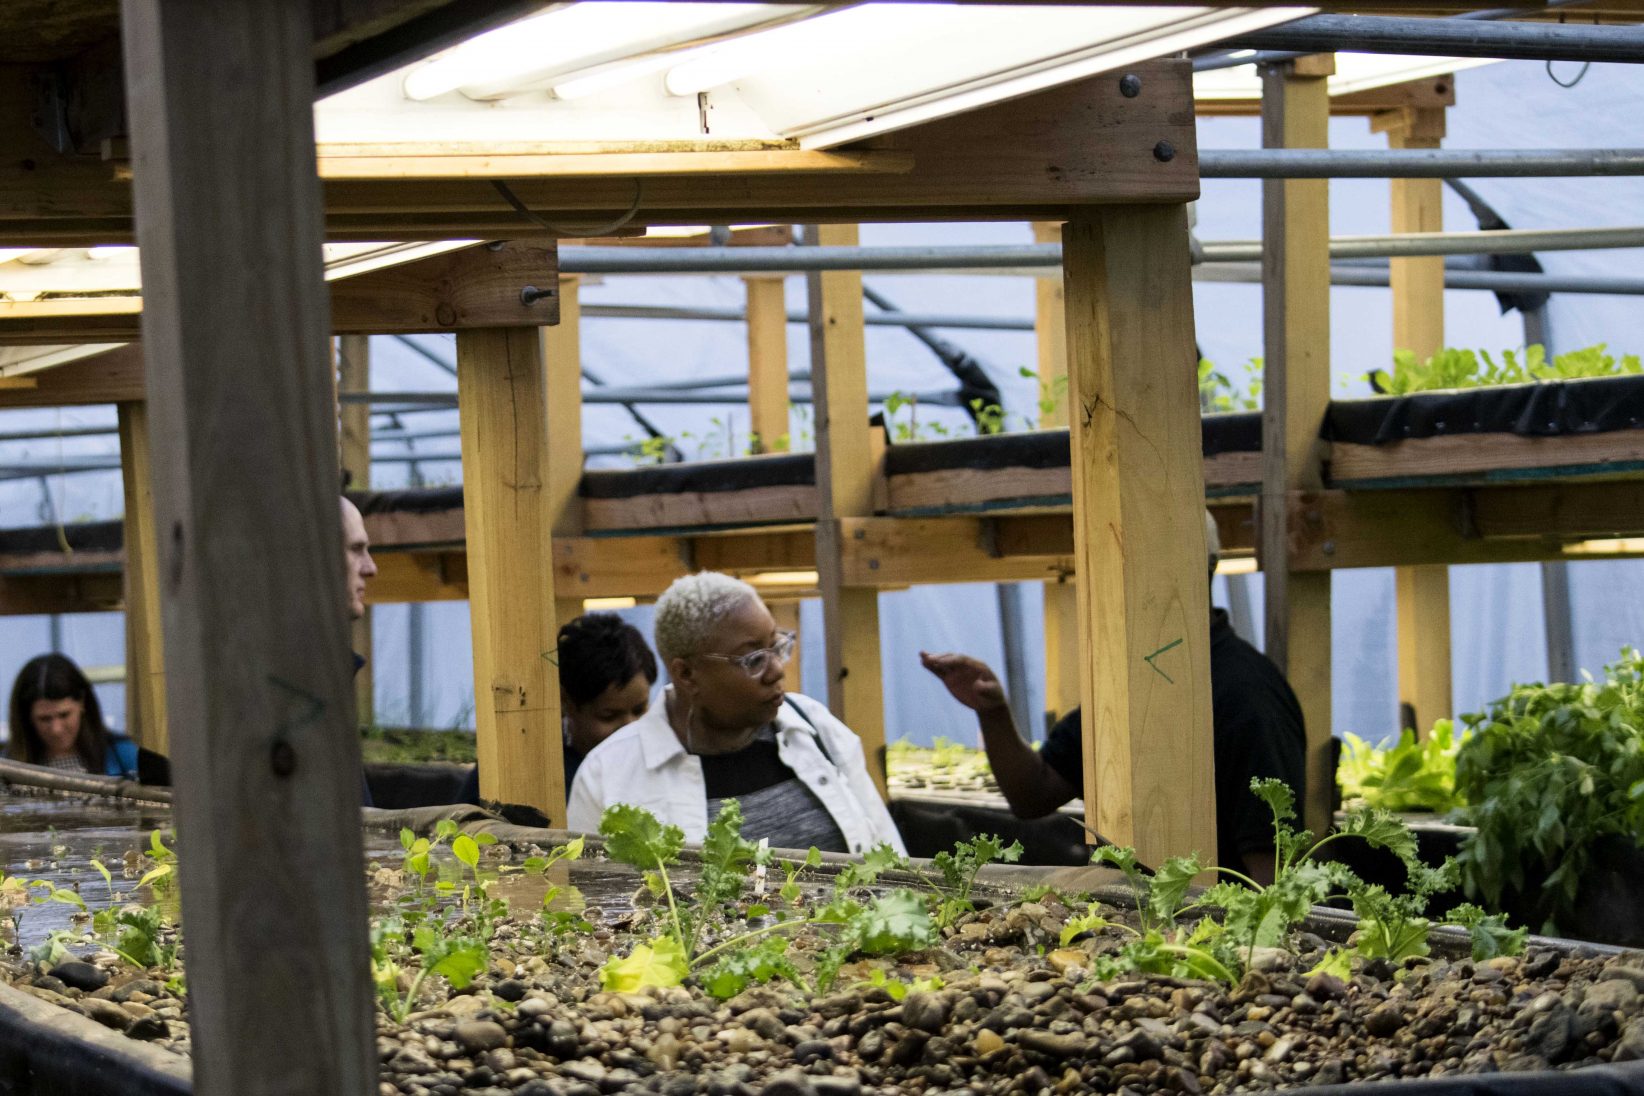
{"type": "Point", "coordinates": [844, 479]}
{"type": "Point", "coordinates": [1061, 598]}
{"type": "Point", "coordinates": [562, 352]}
{"type": "Point", "coordinates": [787, 619]}
{"type": "Point", "coordinates": [1138, 504]}
{"type": "Point", "coordinates": [1296, 393]}
{"type": "Point", "coordinates": [145, 651]}
{"type": "Point", "coordinates": [354, 421]}
{"type": "Point", "coordinates": [768, 363]}
{"type": "Point", "coordinates": [1423, 593]}
{"type": "Point", "coordinates": [266, 760]}
{"type": "Point", "coordinates": [501, 390]}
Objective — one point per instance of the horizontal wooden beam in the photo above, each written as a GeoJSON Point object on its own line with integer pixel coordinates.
{"type": "Point", "coordinates": [113, 376]}
{"type": "Point", "coordinates": [471, 288]}
{"type": "Point", "coordinates": [1033, 158]}
{"type": "Point", "coordinates": [1329, 530]}
{"type": "Point", "coordinates": [1403, 462]}
{"type": "Point", "coordinates": [1430, 92]}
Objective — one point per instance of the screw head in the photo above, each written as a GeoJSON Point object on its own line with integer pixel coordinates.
{"type": "Point", "coordinates": [1164, 152]}
{"type": "Point", "coordinates": [283, 759]}
{"type": "Point", "coordinates": [1130, 85]}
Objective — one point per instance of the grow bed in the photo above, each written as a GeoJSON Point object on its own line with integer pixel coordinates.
{"type": "Point", "coordinates": [1001, 1002]}
{"type": "Point", "coordinates": [1494, 434]}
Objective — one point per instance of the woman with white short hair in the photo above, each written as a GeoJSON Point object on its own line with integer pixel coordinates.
{"type": "Point", "coordinates": [726, 729]}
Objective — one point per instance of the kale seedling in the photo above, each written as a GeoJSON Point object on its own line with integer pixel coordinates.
{"type": "Point", "coordinates": [959, 870]}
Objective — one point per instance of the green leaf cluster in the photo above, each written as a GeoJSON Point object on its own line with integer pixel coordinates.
{"type": "Point", "coordinates": [1254, 916]}
{"type": "Point", "coordinates": [1218, 393]}
{"type": "Point", "coordinates": [1550, 770]}
{"type": "Point", "coordinates": [1455, 368]}
{"type": "Point", "coordinates": [1411, 775]}
{"type": "Point", "coordinates": [959, 868]}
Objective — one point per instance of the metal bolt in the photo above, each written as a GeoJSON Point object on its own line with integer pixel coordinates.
{"type": "Point", "coordinates": [1130, 85]}
{"type": "Point", "coordinates": [1164, 152]}
{"type": "Point", "coordinates": [1329, 547]}
{"type": "Point", "coordinates": [495, 245]}
{"type": "Point", "coordinates": [283, 759]}
{"type": "Point", "coordinates": [530, 295]}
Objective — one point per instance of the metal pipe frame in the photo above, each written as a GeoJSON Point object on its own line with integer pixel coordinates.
{"type": "Point", "coordinates": [1448, 38]}
{"type": "Point", "coordinates": [446, 400]}
{"type": "Point", "coordinates": [738, 315]}
{"type": "Point", "coordinates": [1495, 281]}
{"type": "Point", "coordinates": [1415, 163]}
{"type": "Point", "coordinates": [1010, 258]}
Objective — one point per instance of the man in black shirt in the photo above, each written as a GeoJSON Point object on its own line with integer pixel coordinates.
{"type": "Point", "coordinates": [1258, 733]}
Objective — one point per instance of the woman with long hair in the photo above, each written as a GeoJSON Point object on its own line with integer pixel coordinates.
{"type": "Point", "coordinates": [56, 721]}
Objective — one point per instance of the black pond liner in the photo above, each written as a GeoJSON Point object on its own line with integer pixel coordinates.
{"type": "Point", "coordinates": [48, 1051]}
{"type": "Point", "coordinates": [702, 477]}
{"type": "Point", "coordinates": [1549, 409]}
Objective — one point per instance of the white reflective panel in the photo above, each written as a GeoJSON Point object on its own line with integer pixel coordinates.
{"type": "Point", "coordinates": [576, 37]}
{"type": "Point", "coordinates": [880, 67]}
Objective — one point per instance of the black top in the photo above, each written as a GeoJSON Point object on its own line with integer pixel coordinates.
{"type": "Point", "coordinates": [1258, 731]}
{"type": "Point", "coordinates": [753, 768]}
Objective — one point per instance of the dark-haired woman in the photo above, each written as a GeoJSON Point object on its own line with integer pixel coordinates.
{"type": "Point", "coordinates": [606, 672]}
{"type": "Point", "coordinates": [57, 722]}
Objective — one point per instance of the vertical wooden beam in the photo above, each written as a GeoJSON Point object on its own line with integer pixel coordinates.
{"type": "Point", "coordinates": [1423, 593]}
{"type": "Point", "coordinates": [1061, 648]}
{"type": "Point", "coordinates": [562, 352]}
{"type": "Point", "coordinates": [787, 619]}
{"type": "Point", "coordinates": [354, 420]}
{"type": "Point", "coordinates": [1138, 503]}
{"type": "Point", "coordinates": [1296, 393]}
{"type": "Point", "coordinates": [506, 463]}
{"type": "Point", "coordinates": [1050, 328]}
{"type": "Point", "coordinates": [266, 760]}
{"type": "Point", "coordinates": [145, 651]}
{"type": "Point", "coordinates": [1061, 598]}
{"type": "Point", "coordinates": [768, 362]}
{"type": "Point", "coordinates": [844, 478]}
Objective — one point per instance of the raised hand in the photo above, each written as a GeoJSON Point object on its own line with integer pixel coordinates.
{"type": "Point", "coordinates": [970, 680]}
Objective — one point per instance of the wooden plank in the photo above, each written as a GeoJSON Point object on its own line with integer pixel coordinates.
{"type": "Point", "coordinates": [354, 432]}
{"type": "Point", "coordinates": [1494, 458]}
{"type": "Point", "coordinates": [1428, 92]}
{"type": "Point", "coordinates": [1586, 510]}
{"type": "Point", "coordinates": [114, 376]}
{"type": "Point", "coordinates": [1138, 490]}
{"type": "Point", "coordinates": [624, 164]}
{"type": "Point", "coordinates": [586, 567]}
{"type": "Point", "coordinates": [768, 363]}
{"type": "Point", "coordinates": [145, 650]}
{"type": "Point", "coordinates": [266, 760]}
{"type": "Point", "coordinates": [501, 390]}
{"type": "Point", "coordinates": [880, 552]}
{"type": "Point", "coordinates": [790, 549]}
{"type": "Point", "coordinates": [418, 576]}
{"type": "Point", "coordinates": [1296, 392]}
{"type": "Point", "coordinates": [845, 474]}
{"type": "Point", "coordinates": [692, 509]}
{"type": "Point", "coordinates": [1335, 529]}
{"type": "Point", "coordinates": [1032, 158]}
{"type": "Point", "coordinates": [562, 351]}
{"type": "Point", "coordinates": [1422, 594]}
{"type": "Point", "coordinates": [475, 287]}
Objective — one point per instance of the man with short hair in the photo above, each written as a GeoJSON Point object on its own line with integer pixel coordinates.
{"type": "Point", "coordinates": [357, 555]}
{"type": "Point", "coordinates": [358, 566]}
{"type": "Point", "coordinates": [1257, 725]}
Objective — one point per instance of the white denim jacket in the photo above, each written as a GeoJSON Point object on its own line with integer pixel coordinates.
{"type": "Point", "coordinates": [644, 764]}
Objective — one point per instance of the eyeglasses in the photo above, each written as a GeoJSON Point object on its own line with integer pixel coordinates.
{"type": "Point", "coordinates": [755, 663]}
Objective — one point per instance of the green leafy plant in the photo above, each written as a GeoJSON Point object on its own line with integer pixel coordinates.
{"type": "Point", "coordinates": [432, 950]}
{"type": "Point", "coordinates": [1218, 392]}
{"type": "Point", "coordinates": [1411, 775]}
{"type": "Point", "coordinates": [1392, 926]}
{"type": "Point", "coordinates": [1456, 368]}
{"type": "Point", "coordinates": [1488, 932]}
{"type": "Point", "coordinates": [959, 869]}
{"type": "Point", "coordinates": [1550, 771]}
{"type": "Point", "coordinates": [899, 921]}
{"type": "Point", "coordinates": [164, 873]}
